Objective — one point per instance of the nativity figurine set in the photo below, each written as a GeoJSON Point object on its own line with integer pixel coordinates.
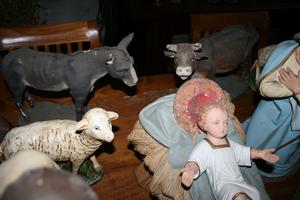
{"type": "Point", "coordinates": [194, 146]}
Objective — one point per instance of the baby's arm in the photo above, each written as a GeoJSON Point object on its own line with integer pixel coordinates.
{"type": "Point", "coordinates": [265, 154]}
{"type": "Point", "coordinates": [188, 173]}
{"type": "Point", "coordinates": [290, 80]}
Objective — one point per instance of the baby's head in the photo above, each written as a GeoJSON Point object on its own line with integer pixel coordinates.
{"type": "Point", "coordinates": [213, 117]}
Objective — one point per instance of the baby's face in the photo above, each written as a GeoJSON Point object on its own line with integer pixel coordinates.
{"type": "Point", "coordinates": [216, 123]}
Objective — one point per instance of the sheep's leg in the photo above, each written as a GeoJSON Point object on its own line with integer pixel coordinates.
{"type": "Point", "coordinates": [96, 164]}
{"type": "Point", "coordinates": [76, 165]}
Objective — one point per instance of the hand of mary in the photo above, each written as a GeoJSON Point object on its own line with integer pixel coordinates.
{"type": "Point", "coordinates": [290, 80]}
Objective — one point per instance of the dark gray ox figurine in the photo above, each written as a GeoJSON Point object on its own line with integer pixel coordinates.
{"type": "Point", "coordinates": [77, 72]}
{"type": "Point", "coordinates": [220, 52]}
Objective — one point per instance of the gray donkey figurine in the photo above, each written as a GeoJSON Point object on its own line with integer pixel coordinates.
{"type": "Point", "coordinates": [56, 72]}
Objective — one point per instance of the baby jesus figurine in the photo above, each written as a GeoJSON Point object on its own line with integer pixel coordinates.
{"type": "Point", "coordinates": [221, 157]}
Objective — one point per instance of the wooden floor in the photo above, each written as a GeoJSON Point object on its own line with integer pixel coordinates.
{"type": "Point", "coordinates": [118, 159]}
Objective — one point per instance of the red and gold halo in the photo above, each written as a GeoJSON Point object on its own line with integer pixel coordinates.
{"type": "Point", "coordinates": [191, 96]}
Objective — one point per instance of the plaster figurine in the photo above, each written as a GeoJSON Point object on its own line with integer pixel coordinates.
{"type": "Point", "coordinates": [22, 162]}
{"type": "Point", "coordinates": [262, 57]}
{"type": "Point", "coordinates": [76, 72]}
{"type": "Point", "coordinates": [276, 120]}
{"type": "Point", "coordinates": [63, 140]}
{"type": "Point", "coordinates": [220, 52]}
{"type": "Point", "coordinates": [48, 183]}
{"type": "Point", "coordinates": [220, 157]}
{"type": "Point", "coordinates": [166, 134]}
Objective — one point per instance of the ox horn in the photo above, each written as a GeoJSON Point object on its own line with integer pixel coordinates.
{"type": "Point", "coordinates": [172, 47]}
{"type": "Point", "coordinates": [197, 46]}
{"type": "Point", "coordinates": [111, 59]}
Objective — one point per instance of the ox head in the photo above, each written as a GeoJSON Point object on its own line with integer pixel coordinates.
{"type": "Point", "coordinates": [185, 56]}
{"type": "Point", "coordinates": [120, 64]}
{"type": "Point", "coordinates": [97, 124]}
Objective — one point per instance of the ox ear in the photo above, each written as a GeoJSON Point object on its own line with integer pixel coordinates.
{"type": "Point", "coordinates": [111, 59]}
{"type": "Point", "coordinates": [112, 115]}
{"type": "Point", "coordinates": [125, 41]}
{"type": "Point", "coordinates": [169, 54]}
{"type": "Point", "coordinates": [200, 55]}
{"type": "Point", "coordinates": [82, 124]}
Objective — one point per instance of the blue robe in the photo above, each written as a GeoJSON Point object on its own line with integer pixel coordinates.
{"type": "Point", "coordinates": [158, 120]}
{"type": "Point", "coordinates": [276, 121]}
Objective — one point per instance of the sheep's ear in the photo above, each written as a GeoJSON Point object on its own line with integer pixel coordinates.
{"type": "Point", "coordinates": [112, 115]}
{"type": "Point", "coordinates": [82, 124]}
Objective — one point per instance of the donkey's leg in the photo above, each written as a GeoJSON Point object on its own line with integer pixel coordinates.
{"type": "Point", "coordinates": [79, 99]}
{"type": "Point", "coordinates": [18, 93]}
{"type": "Point", "coordinates": [29, 99]}
{"type": "Point", "coordinates": [14, 79]}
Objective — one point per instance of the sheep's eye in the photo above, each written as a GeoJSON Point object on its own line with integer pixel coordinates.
{"type": "Point", "coordinates": [97, 128]}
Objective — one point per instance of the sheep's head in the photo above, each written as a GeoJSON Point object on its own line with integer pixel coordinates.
{"type": "Point", "coordinates": [97, 124]}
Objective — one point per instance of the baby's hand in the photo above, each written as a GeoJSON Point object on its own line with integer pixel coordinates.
{"type": "Point", "coordinates": [290, 80]}
{"type": "Point", "coordinates": [187, 176]}
{"type": "Point", "coordinates": [267, 155]}
{"type": "Point", "coordinates": [188, 173]}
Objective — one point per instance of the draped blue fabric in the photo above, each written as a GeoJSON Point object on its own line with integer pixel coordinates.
{"type": "Point", "coordinates": [158, 120]}
{"type": "Point", "coordinates": [279, 53]}
{"type": "Point", "coordinates": [276, 121]}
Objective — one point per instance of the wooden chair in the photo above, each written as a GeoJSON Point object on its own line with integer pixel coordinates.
{"type": "Point", "coordinates": [204, 24]}
{"type": "Point", "coordinates": [60, 38]}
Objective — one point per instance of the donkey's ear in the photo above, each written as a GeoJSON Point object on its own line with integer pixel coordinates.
{"type": "Point", "coordinates": [125, 41]}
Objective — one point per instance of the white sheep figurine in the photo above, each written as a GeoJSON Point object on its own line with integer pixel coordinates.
{"type": "Point", "coordinates": [22, 162]}
{"type": "Point", "coordinates": [63, 140]}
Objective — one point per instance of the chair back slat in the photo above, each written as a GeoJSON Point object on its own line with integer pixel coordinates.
{"type": "Point", "coordinates": [52, 37]}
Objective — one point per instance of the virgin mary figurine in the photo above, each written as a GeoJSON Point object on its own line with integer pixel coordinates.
{"type": "Point", "coordinates": [276, 121]}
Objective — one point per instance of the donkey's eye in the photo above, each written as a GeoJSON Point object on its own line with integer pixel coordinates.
{"type": "Point", "coordinates": [122, 72]}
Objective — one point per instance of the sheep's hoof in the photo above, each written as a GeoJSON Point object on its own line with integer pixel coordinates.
{"type": "Point", "coordinates": [86, 170]}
